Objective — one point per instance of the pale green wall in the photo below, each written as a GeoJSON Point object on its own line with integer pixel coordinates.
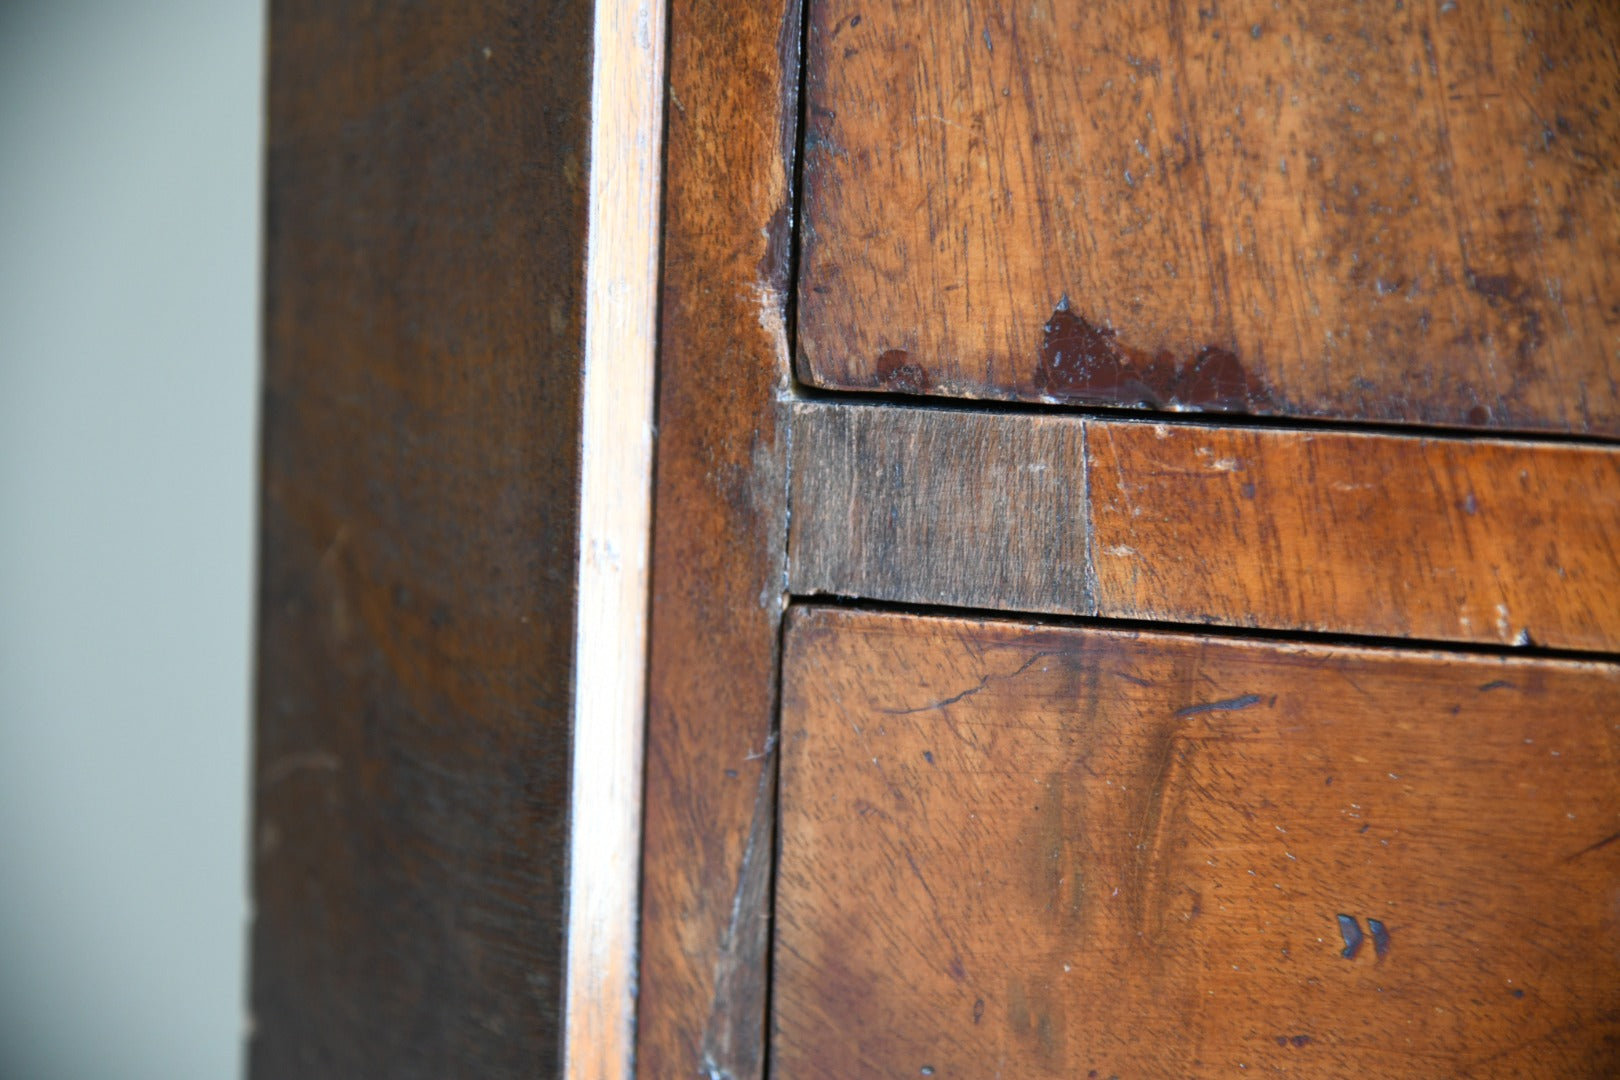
{"type": "Point", "coordinates": [129, 194]}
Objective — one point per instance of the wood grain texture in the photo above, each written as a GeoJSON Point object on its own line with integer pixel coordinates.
{"type": "Point", "coordinates": [1252, 207]}
{"type": "Point", "coordinates": [938, 507]}
{"type": "Point", "coordinates": [426, 176]}
{"type": "Point", "coordinates": [1510, 543]}
{"type": "Point", "coordinates": [615, 526]}
{"type": "Point", "coordinates": [1487, 541]}
{"type": "Point", "coordinates": [719, 544]}
{"type": "Point", "coordinates": [1023, 851]}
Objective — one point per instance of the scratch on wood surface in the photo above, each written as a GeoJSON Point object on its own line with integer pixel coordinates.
{"type": "Point", "coordinates": [1163, 790]}
{"type": "Point", "coordinates": [970, 691]}
{"type": "Point", "coordinates": [733, 1039]}
{"type": "Point", "coordinates": [289, 764]}
{"type": "Point", "coordinates": [1596, 846]}
{"type": "Point", "coordinates": [956, 969]}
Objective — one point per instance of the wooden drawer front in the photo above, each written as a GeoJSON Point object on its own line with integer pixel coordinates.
{"type": "Point", "coordinates": [1014, 850]}
{"type": "Point", "coordinates": [1250, 206]}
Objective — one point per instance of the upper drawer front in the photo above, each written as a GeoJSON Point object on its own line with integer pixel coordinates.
{"type": "Point", "coordinates": [1394, 212]}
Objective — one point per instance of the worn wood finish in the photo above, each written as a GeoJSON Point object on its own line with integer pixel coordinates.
{"type": "Point", "coordinates": [719, 540]}
{"type": "Point", "coordinates": [1010, 850]}
{"type": "Point", "coordinates": [425, 241]}
{"type": "Point", "coordinates": [935, 507]}
{"type": "Point", "coordinates": [1511, 543]}
{"type": "Point", "coordinates": [615, 526]}
{"type": "Point", "coordinates": [1250, 206]}
{"type": "Point", "coordinates": [1487, 541]}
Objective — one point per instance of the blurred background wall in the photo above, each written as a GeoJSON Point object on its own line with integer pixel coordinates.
{"type": "Point", "coordinates": [129, 218]}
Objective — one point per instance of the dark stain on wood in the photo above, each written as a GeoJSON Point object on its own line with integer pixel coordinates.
{"type": "Point", "coordinates": [1085, 363]}
{"type": "Point", "coordinates": [897, 371]}
{"type": "Point", "coordinates": [1380, 937]}
{"type": "Point", "coordinates": [1228, 705]}
{"type": "Point", "coordinates": [907, 504]}
{"type": "Point", "coordinates": [1507, 294]}
{"type": "Point", "coordinates": [1350, 930]}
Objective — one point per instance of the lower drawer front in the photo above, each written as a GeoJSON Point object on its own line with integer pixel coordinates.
{"type": "Point", "coordinates": [1031, 851]}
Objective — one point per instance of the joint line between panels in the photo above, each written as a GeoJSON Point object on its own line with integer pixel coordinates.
{"type": "Point", "coordinates": [608, 717]}
{"type": "Point", "coordinates": [795, 257]}
{"type": "Point", "coordinates": [1223, 421]}
{"type": "Point", "coordinates": [1222, 631]}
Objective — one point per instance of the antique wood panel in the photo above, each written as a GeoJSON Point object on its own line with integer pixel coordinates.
{"type": "Point", "coordinates": [1248, 207]}
{"type": "Point", "coordinates": [1488, 541]}
{"type": "Point", "coordinates": [1513, 543]}
{"type": "Point", "coordinates": [1016, 850]}
{"type": "Point", "coordinates": [719, 544]}
{"type": "Point", "coordinates": [437, 357]}
{"type": "Point", "coordinates": [939, 507]}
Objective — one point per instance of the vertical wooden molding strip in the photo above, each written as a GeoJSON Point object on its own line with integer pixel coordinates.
{"type": "Point", "coordinates": [621, 282]}
{"type": "Point", "coordinates": [719, 543]}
